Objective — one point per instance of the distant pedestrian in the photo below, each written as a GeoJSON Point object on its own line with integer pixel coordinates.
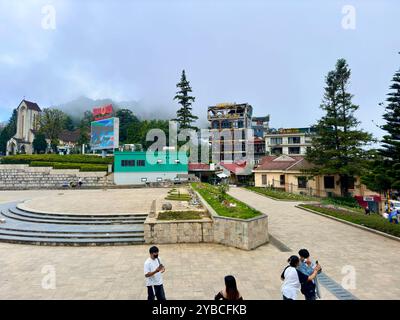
{"type": "Point", "coordinates": [367, 211]}
{"type": "Point", "coordinates": [230, 292]}
{"type": "Point", "coordinates": [80, 182]}
{"type": "Point", "coordinates": [309, 289]}
{"type": "Point", "coordinates": [153, 270]}
{"type": "Point", "coordinates": [293, 278]}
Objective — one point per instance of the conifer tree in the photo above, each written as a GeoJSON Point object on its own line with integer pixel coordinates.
{"type": "Point", "coordinates": [337, 147]}
{"type": "Point", "coordinates": [185, 118]}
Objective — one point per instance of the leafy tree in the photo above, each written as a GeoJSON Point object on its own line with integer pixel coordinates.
{"type": "Point", "coordinates": [8, 131]}
{"type": "Point", "coordinates": [84, 128]}
{"type": "Point", "coordinates": [68, 123]}
{"type": "Point", "coordinates": [39, 143]}
{"type": "Point", "coordinates": [337, 147]}
{"type": "Point", "coordinates": [51, 123]}
{"type": "Point", "coordinates": [126, 118]}
{"type": "Point", "coordinates": [384, 173]}
{"type": "Point", "coordinates": [185, 118]}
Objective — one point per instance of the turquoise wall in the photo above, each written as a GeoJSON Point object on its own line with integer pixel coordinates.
{"type": "Point", "coordinates": [167, 164]}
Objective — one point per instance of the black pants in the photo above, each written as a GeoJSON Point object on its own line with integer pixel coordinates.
{"type": "Point", "coordinates": [159, 293]}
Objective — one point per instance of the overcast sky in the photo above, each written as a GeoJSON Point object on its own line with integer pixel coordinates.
{"type": "Point", "coordinates": [271, 54]}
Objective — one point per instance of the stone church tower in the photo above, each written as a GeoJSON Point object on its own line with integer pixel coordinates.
{"type": "Point", "coordinates": [27, 125]}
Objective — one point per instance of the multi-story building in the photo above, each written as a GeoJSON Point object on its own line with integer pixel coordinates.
{"type": "Point", "coordinates": [229, 124]}
{"type": "Point", "coordinates": [260, 126]}
{"type": "Point", "coordinates": [293, 141]}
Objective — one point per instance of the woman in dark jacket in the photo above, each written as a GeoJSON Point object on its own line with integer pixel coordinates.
{"type": "Point", "coordinates": [230, 292]}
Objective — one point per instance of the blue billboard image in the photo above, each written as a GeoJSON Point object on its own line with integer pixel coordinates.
{"type": "Point", "coordinates": [105, 134]}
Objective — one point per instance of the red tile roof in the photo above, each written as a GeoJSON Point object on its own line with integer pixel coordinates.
{"type": "Point", "coordinates": [235, 168]}
{"type": "Point", "coordinates": [283, 163]}
{"type": "Point", "coordinates": [198, 167]}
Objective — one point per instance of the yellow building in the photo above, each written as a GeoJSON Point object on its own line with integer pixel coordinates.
{"type": "Point", "coordinates": [286, 173]}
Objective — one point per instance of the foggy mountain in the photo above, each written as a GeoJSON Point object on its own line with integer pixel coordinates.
{"type": "Point", "coordinates": [143, 111]}
{"type": "Point", "coordinates": [77, 107]}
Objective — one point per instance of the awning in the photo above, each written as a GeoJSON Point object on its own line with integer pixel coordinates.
{"type": "Point", "coordinates": [222, 175]}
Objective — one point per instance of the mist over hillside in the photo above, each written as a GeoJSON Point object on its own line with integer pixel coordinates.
{"type": "Point", "coordinates": [78, 106]}
{"type": "Point", "coordinates": [142, 110]}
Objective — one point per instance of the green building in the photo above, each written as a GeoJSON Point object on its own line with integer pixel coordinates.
{"type": "Point", "coordinates": [140, 167]}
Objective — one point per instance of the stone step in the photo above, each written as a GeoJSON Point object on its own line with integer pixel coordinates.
{"type": "Point", "coordinates": [59, 235]}
{"type": "Point", "coordinates": [11, 215]}
{"type": "Point", "coordinates": [68, 217]}
{"type": "Point", "coordinates": [71, 242]}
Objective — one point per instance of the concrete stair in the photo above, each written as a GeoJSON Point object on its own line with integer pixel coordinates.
{"type": "Point", "coordinates": [27, 227]}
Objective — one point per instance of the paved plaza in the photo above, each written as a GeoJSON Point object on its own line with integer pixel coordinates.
{"type": "Point", "coordinates": [196, 271]}
{"type": "Point", "coordinates": [84, 201]}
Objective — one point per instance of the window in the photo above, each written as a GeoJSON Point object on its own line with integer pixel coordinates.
{"type": "Point", "coordinates": [329, 182]}
{"type": "Point", "coordinates": [294, 140]}
{"type": "Point", "coordinates": [127, 163]}
{"type": "Point", "coordinates": [240, 124]}
{"type": "Point", "coordinates": [276, 151]}
{"type": "Point", "coordinates": [141, 163]}
{"type": "Point", "coordinates": [159, 179]}
{"type": "Point", "coordinates": [225, 124]}
{"type": "Point", "coordinates": [302, 182]}
{"type": "Point", "coordinates": [276, 140]}
{"type": "Point", "coordinates": [294, 150]}
{"type": "Point", "coordinates": [264, 179]}
{"type": "Point", "coordinates": [282, 179]}
{"type": "Point", "coordinates": [215, 124]}
{"type": "Point", "coordinates": [144, 179]}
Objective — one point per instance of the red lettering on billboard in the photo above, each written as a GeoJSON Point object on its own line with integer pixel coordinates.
{"type": "Point", "coordinates": [103, 112]}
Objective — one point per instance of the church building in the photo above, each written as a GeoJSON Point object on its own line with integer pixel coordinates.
{"type": "Point", "coordinates": [27, 125]}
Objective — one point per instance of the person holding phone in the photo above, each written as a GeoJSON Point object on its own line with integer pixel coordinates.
{"type": "Point", "coordinates": [293, 279]}
{"type": "Point", "coordinates": [153, 270]}
{"type": "Point", "coordinates": [310, 290]}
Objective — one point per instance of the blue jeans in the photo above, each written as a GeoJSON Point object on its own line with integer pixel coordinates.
{"type": "Point", "coordinates": [158, 291]}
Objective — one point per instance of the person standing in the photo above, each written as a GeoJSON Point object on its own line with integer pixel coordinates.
{"type": "Point", "coordinates": [153, 270]}
{"type": "Point", "coordinates": [310, 289]}
{"type": "Point", "coordinates": [231, 292]}
{"type": "Point", "coordinates": [293, 278]}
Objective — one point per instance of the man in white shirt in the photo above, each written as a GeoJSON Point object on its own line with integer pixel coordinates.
{"type": "Point", "coordinates": [153, 270]}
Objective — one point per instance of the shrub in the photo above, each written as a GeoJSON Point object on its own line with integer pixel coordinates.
{"type": "Point", "coordinates": [66, 165]}
{"type": "Point", "coordinates": [71, 158]}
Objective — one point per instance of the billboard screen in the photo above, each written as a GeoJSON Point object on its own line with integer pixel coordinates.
{"type": "Point", "coordinates": [105, 134]}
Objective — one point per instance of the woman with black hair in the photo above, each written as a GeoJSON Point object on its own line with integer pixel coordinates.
{"type": "Point", "coordinates": [293, 278]}
{"type": "Point", "coordinates": [230, 292]}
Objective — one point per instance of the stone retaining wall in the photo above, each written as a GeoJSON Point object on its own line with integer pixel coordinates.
{"type": "Point", "coordinates": [184, 231]}
{"type": "Point", "coordinates": [23, 177]}
{"type": "Point", "coordinates": [244, 234]}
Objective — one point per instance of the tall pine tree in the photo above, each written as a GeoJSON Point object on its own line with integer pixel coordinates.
{"type": "Point", "coordinates": [337, 147]}
{"type": "Point", "coordinates": [185, 118]}
{"type": "Point", "coordinates": [385, 170]}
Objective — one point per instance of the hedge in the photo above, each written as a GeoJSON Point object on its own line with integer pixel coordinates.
{"type": "Point", "coordinates": [373, 221]}
{"type": "Point", "coordinates": [71, 158]}
{"type": "Point", "coordinates": [67, 165]}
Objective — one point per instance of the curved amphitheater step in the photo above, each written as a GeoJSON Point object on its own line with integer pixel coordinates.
{"type": "Point", "coordinates": [25, 227]}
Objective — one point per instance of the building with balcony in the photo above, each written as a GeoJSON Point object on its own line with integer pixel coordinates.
{"type": "Point", "coordinates": [293, 141]}
{"type": "Point", "coordinates": [229, 124]}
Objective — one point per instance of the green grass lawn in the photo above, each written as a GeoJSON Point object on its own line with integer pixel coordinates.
{"type": "Point", "coordinates": [373, 221]}
{"type": "Point", "coordinates": [281, 195]}
{"type": "Point", "coordinates": [179, 215]}
{"type": "Point", "coordinates": [210, 194]}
